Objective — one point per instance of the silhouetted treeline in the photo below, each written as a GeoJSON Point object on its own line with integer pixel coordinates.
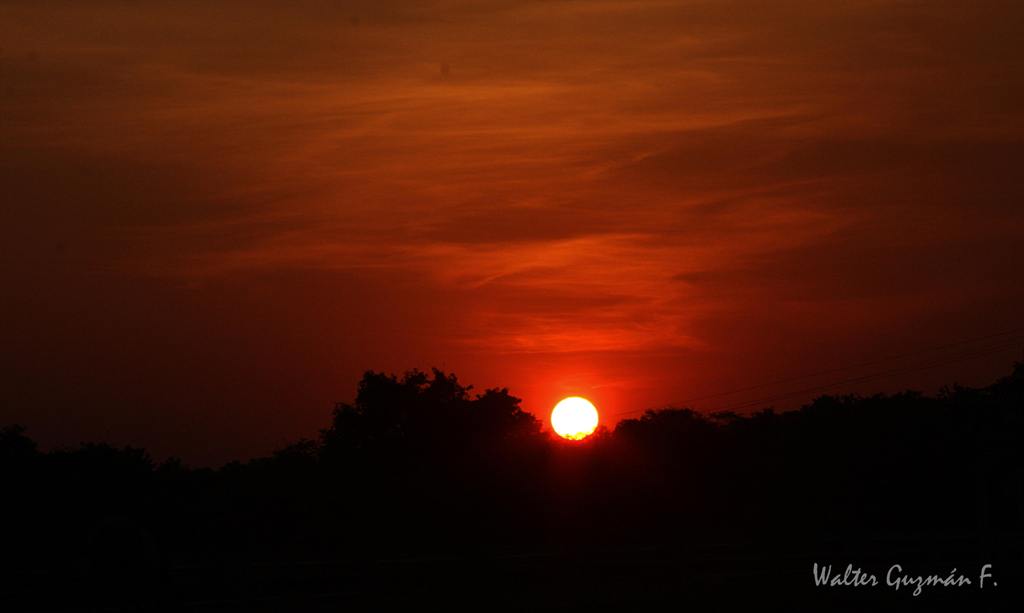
{"type": "Point", "coordinates": [421, 465]}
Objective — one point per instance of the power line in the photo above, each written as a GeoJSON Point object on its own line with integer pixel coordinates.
{"type": "Point", "coordinates": [1008, 334]}
{"type": "Point", "coordinates": [876, 362]}
{"type": "Point", "coordinates": [877, 375]}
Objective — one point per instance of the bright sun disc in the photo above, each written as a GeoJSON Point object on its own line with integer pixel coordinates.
{"type": "Point", "coordinates": [574, 418]}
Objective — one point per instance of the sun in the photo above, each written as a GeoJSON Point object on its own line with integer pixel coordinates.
{"type": "Point", "coordinates": [574, 418]}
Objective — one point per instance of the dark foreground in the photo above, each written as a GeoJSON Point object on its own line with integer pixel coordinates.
{"type": "Point", "coordinates": [702, 578]}
{"type": "Point", "coordinates": [422, 494]}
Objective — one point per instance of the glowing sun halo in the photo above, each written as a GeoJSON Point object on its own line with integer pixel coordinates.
{"type": "Point", "coordinates": [574, 418]}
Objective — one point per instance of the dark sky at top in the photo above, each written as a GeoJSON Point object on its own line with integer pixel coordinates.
{"type": "Point", "coordinates": [217, 215]}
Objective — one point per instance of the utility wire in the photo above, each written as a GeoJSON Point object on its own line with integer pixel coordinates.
{"type": "Point", "coordinates": [962, 358]}
{"type": "Point", "coordinates": [876, 362]}
{"type": "Point", "coordinates": [1008, 334]}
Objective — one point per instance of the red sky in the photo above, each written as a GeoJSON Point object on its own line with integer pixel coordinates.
{"type": "Point", "coordinates": [216, 217]}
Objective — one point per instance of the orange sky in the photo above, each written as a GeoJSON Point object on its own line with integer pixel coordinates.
{"type": "Point", "coordinates": [216, 217]}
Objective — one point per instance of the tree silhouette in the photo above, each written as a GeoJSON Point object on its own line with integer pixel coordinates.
{"type": "Point", "coordinates": [420, 465]}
